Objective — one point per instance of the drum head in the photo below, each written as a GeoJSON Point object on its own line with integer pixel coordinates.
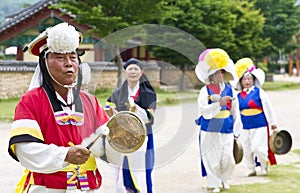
{"type": "Point", "coordinates": [127, 132]}
{"type": "Point", "coordinates": [237, 151]}
{"type": "Point", "coordinates": [280, 142]}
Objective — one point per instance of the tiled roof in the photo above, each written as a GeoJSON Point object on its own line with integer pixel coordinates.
{"type": "Point", "coordinates": [25, 13]}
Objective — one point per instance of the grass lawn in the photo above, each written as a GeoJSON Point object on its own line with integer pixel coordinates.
{"type": "Point", "coordinates": [7, 106]}
{"type": "Point", "coordinates": [282, 178]}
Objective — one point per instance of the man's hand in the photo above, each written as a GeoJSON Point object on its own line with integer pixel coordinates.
{"type": "Point", "coordinates": [77, 155]}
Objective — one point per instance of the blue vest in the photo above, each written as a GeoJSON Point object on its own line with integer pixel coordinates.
{"type": "Point", "coordinates": [222, 124]}
{"type": "Point", "coordinates": [251, 108]}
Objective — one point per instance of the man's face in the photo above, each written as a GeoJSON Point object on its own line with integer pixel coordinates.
{"type": "Point", "coordinates": [63, 67]}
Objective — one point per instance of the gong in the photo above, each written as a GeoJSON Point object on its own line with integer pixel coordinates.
{"type": "Point", "coordinates": [280, 142]}
{"type": "Point", "coordinates": [127, 132]}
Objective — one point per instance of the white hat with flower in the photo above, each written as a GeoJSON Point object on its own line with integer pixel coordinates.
{"type": "Point", "coordinates": [245, 66]}
{"type": "Point", "coordinates": [62, 38]}
{"type": "Point", "coordinates": [212, 60]}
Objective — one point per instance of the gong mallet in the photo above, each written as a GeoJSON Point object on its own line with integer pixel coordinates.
{"type": "Point", "coordinates": [103, 131]}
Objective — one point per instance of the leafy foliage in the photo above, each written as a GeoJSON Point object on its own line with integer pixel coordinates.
{"type": "Point", "coordinates": [231, 25]}
{"type": "Point", "coordinates": [249, 24]}
{"type": "Point", "coordinates": [108, 16]}
{"type": "Point", "coordinates": [282, 22]}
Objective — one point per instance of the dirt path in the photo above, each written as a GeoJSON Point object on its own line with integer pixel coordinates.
{"type": "Point", "coordinates": [182, 172]}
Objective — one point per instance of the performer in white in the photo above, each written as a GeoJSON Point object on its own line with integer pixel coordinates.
{"type": "Point", "coordinates": [256, 115]}
{"type": "Point", "coordinates": [132, 172]}
{"type": "Point", "coordinates": [219, 117]}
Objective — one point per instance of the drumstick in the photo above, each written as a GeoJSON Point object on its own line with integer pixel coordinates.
{"type": "Point", "coordinates": [93, 142]}
{"type": "Point", "coordinates": [131, 104]}
{"type": "Point", "coordinates": [103, 131]}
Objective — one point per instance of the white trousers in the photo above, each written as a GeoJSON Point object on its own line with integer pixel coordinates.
{"type": "Point", "coordinates": [217, 155]}
{"type": "Point", "coordinates": [137, 166]}
{"type": "Point", "coordinates": [255, 143]}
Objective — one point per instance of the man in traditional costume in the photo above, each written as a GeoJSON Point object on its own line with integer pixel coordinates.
{"type": "Point", "coordinates": [132, 172]}
{"type": "Point", "coordinates": [256, 114]}
{"type": "Point", "coordinates": [55, 120]}
{"type": "Point", "coordinates": [219, 117]}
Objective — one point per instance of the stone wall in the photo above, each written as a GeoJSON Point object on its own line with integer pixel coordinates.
{"type": "Point", "coordinates": [15, 77]}
{"type": "Point", "coordinates": [14, 84]}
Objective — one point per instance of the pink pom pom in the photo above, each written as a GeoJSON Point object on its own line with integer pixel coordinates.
{"type": "Point", "coordinates": [203, 54]}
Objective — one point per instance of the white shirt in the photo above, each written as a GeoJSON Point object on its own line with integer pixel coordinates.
{"type": "Point", "coordinates": [208, 111]}
{"type": "Point", "coordinates": [140, 112]}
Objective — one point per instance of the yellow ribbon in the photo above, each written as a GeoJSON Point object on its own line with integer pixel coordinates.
{"type": "Point", "coordinates": [89, 165]}
{"type": "Point", "coordinates": [223, 114]}
{"type": "Point", "coordinates": [249, 112]}
{"type": "Point", "coordinates": [69, 117]}
{"type": "Point", "coordinates": [21, 184]}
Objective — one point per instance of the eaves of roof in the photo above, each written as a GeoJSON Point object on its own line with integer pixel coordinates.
{"type": "Point", "coordinates": [25, 13]}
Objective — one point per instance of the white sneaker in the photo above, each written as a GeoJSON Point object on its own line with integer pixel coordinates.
{"type": "Point", "coordinates": [251, 173]}
{"type": "Point", "coordinates": [264, 170]}
{"type": "Point", "coordinates": [216, 190]}
{"type": "Point", "coordinates": [226, 186]}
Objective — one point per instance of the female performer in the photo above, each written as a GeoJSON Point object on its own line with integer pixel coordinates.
{"type": "Point", "coordinates": [256, 114]}
{"type": "Point", "coordinates": [219, 117]}
{"type": "Point", "coordinates": [133, 171]}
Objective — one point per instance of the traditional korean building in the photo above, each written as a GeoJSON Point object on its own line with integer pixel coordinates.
{"type": "Point", "coordinates": [21, 28]}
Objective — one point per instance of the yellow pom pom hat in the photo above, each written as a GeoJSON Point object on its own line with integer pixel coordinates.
{"type": "Point", "coordinates": [245, 66]}
{"type": "Point", "coordinates": [212, 60]}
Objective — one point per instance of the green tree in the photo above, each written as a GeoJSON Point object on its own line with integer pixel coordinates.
{"type": "Point", "coordinates": [209, 22]}
{"type": "Point", "coordinates": [109, 16]}
{"type": "Point", "coordinates": [248, 39]}
{"type": "Point", "coordinates": [233, 25]}
{"type": "Point", "coordinates": [282, 23]}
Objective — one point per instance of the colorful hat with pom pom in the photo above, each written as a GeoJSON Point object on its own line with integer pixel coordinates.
{"type": "Point", "coordinates": [246, 66]}
{"type": "Point", "coordinates": [212, 60]}
{"type": "Point", "coordinates": [61, 38]}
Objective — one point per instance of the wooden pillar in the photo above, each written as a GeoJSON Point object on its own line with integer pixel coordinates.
{"type": "Point", "coordinates": [298, 55]}
{"type": "Point", "coordinates": [291, 64]}
{"type": "Point", "coordinates": [147, 55]}
{"type": "Point", "coordinates": [138, 52]}
{"type": "Point", "coordinates": [265, 60]}
{"type": "Point", "coordinates": [98, 53]}
{"type": "Point", "coordinates": [19, 55]}
{"type": "Point", "coordinates": [297, 67]}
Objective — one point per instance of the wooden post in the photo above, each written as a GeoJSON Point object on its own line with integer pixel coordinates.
{"type": "Point", "coordinates": [291, 64]}
{"type": "Point", "coordinates": [19, 55]}
{"type": "Point", "coordinates": [297, 56]}
{"type": "Point", "coordinates": [265, 60]}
